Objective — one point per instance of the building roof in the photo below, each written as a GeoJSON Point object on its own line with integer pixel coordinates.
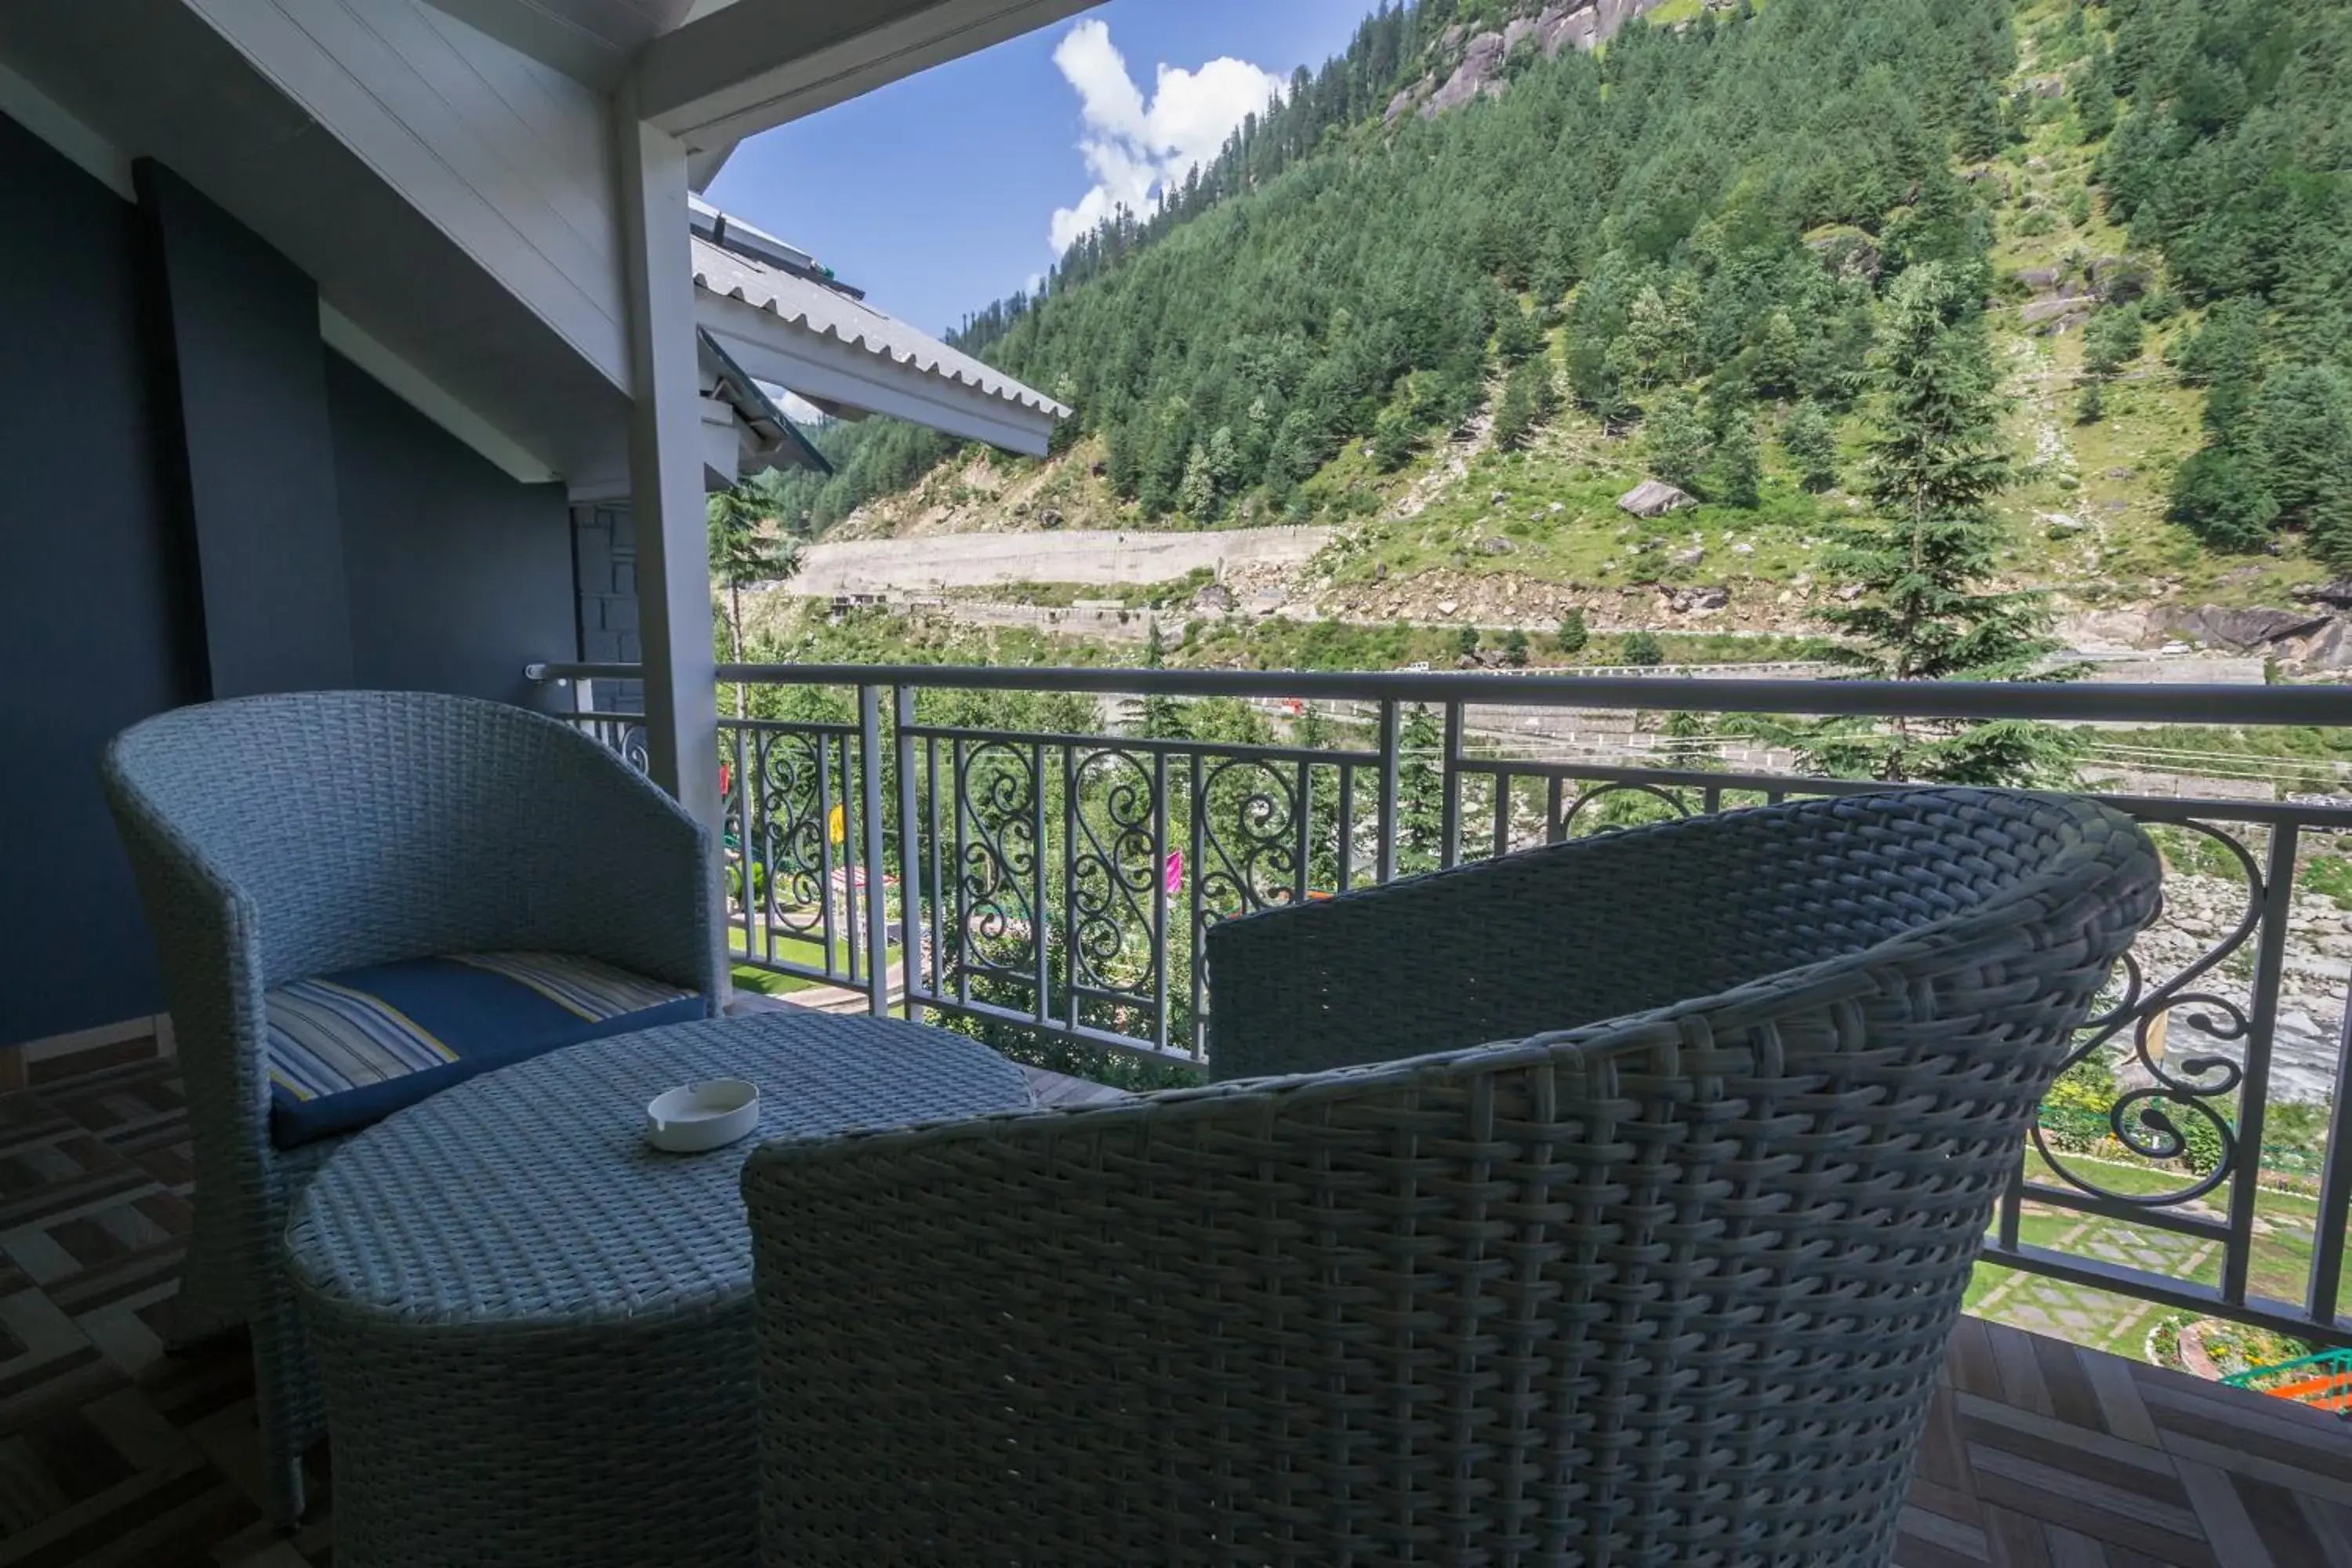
{"type": "Point", "coordinates": [801, 298]}
{"type": "Point", "coordinates": [779, 441]}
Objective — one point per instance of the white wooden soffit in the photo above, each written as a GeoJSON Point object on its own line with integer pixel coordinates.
{"type": "Point", "coordinates": [45, 118]}
{"type": "Point", "coordinates": [757, 64]}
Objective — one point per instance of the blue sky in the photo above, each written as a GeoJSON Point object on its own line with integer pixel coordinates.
{"type": "Point", "coordinates": [939, 193]}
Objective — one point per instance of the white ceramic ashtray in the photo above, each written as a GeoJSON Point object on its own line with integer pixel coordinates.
{"type": "Point", "coordinates": [702, 1116]}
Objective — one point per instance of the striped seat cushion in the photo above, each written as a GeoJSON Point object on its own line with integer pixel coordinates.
{"type": "Point", "coordinates": [350, 1049]}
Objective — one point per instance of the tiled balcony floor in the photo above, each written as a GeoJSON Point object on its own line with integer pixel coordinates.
{"type": "Point", "coordinates": [2041, 1455]}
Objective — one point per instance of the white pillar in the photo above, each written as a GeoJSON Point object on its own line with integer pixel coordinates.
{"type": "Point", "coordinates": [666, 471]}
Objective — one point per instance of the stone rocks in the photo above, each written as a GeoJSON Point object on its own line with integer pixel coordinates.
{"type": "Point", "coordinates": [2241, 631]}
{"type": "Point", "coordinates": [1698, 601]}
{"type": "Point", "coordinates": [1050, 518]}
{"type": "Point", "coordinates": [2336, 595]}
{"type": "Point", "coordinates": [1481, 68]}
{"type": "Point", "coordinates": [1691, 557]}
{"type": "Point", "coordinates": [2042, 280]}
{"type": "Point", "coordinates": [2060, 525]}
{"type": "Point", "coordinates": [1497, 546]}
{"type": "Point", "coordinates": [1848, 252]}
{"type": "Point", "coordinates": [1654, 498]}
{"type": "Point", "coordinates": [1215, 599]}
{"type": "Point", "coordinates": [1478, 71]}
{"type": "Point", "coordinates": [1586, 24]}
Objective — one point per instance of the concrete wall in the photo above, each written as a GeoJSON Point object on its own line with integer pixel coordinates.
{"type": "Point", "coordinates": [98, 615]}
{"type": "Point", "coordinates": [980, 560]}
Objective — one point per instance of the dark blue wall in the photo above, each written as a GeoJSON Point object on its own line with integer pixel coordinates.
{"type": "Point", "coordinates": [242, 356]}
{"type": "Point", "coordinates": [196, 498]}
{"type": "Point", "coordinates": [459, 576]}
{"type": "Point", "coordinates": [98, 626]}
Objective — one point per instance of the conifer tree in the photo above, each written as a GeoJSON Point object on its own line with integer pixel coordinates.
{"type": "Point", "coordinates": [1421, 792]}
{"type": "Point", "coordinates": [1925, 555]}
{"type": "Point", "coordinates": [1810, 441]}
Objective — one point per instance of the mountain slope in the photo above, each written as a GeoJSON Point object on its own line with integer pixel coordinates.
{"type": "Point", "coordinates": [1687, 236]}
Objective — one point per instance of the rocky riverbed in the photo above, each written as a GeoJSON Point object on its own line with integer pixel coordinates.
{"type": "Point", "coordinates": [2200, 913]}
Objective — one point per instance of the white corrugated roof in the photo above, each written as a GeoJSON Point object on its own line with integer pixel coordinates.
{"type": "Point", "coordinates": [812, 307]}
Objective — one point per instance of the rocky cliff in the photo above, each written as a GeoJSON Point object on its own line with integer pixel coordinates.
{"type": "Point", "coordinates": [1465, 67]}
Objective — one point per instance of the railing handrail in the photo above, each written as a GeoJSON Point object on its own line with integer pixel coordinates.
{"type": "Point", "coordinates": [2234, 706]}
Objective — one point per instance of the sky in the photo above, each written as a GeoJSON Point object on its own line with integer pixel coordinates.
{"type": "Point", "coordinates": [963, 183]}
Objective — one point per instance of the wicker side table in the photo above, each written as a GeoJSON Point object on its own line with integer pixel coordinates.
{"type": "Point", "coordinates": [535, 1332]}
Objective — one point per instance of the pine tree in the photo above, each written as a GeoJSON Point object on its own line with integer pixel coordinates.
{"type": "Point", "coordinates": [1642, 649]}
{"type": "Point", "coordinates": [744, 553]}
{"type": "Point", "coordinates": [1677, 442]}
{"type": "Point", "coordinates": [1530, 397]}
{"type": "Point", "coordinates": [1515, 651]}
{"type": "Point", "coordinates": [1421, 792]}
{"type": "Point", "coordinates": [1739, 464]}
{"type": "Point", "coordinates": [1935, 466]}
{"type": "Point", "coordinates": [1810, 441]}
{"type": "Point", "coordinates": [1573, 634]}
{"type": "Point", "coordinates": [1162, 718]}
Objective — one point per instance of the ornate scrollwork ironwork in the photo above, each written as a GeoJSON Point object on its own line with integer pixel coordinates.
{"type": "Point", "coordinates": [788, 835]}
{"type": "Point", "coordinates": [1249, 835]}
{"type": "Point", "coordinates": [996, 802]}
{"type": "Point", "coordinates": [1114, 871]}
{"type": "Point", "coordinates": [2154, 1120]}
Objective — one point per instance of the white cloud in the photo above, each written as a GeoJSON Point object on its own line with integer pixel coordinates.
{"type": "Point", "coordinates": [1135, 148]}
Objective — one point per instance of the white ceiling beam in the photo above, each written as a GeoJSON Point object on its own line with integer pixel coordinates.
{"type": "Point", "coordinates": [758, 64]}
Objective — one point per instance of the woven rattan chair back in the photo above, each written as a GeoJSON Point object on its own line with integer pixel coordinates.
{"type": "Point", "coordinates": [1668, 1287]}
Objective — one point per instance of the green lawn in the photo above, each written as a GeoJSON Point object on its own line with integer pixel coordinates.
{"type": "Point", "coordinates": [2283, 1231]}
{"type": "Point", "coordinates": [807, 952]}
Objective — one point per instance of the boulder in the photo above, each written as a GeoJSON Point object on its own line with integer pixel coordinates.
{"type": "Point", "coordinates": [1050, 518]}
{"type": "Point", "coordinates": [2241, 631]}
{"type": "Point", "coordinates": [1691, 557]}
{"type": "Point", "coordinates": [1700, 601]}
{"type": "Point", "coordinates": [1654, 498]}
{"type": "Point", "coordinates": [1216, 599]}
{"type": "Point", "coordinates": [2336, 595]}
{"type": "Point", "coordinates": [2328, 648]}
{"type": "Point", "coordinates": [1497, 546]}
{"type": "Point", "coordinates": [2042, 280]}
{"type": "Point", "coordinates": [1847, 252]}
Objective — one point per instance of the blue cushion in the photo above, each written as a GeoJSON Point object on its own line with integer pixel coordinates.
{"type": "Point", "coordinates": [349, 1049]}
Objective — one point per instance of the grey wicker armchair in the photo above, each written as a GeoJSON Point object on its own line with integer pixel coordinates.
{"type": "Point", "coordinates": [1663, 1276]}
{"type": "Point", "coordinates": [279, 839]}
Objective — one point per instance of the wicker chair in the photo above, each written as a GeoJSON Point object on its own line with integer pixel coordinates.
{"type": "Point", "coordinates": [1664, 1277]}
{"type": "Point", "coordinates": [278, 839]}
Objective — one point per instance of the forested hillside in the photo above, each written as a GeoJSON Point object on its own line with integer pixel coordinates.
{"type": "Point", "coordinates": [1672, 258]}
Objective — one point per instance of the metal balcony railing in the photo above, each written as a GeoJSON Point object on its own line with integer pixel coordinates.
{"type": "Point", "coordinates": [1035, 854]}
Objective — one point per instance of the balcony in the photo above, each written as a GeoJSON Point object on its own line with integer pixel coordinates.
{"type": "Point", "coordinates": [1034, 856]}
{"type": "Point", "coordinates": [1047, 888]}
